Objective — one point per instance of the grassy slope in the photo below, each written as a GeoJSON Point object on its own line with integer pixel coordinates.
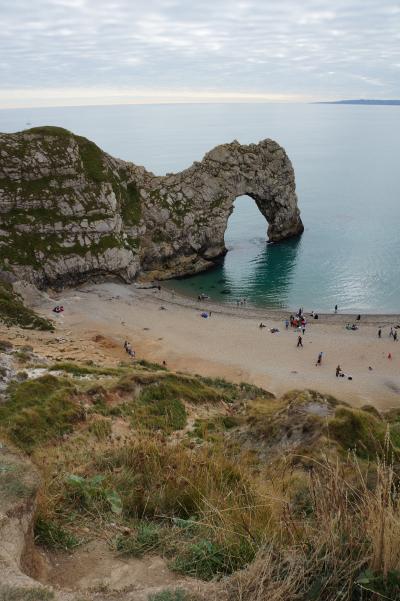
{"type": "Point", "coordinates": [13, 312]}
{"type": "Point", "coordinates": [255, 482]}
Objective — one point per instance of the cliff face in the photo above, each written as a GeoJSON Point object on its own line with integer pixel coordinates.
{"type": "Point", "coordinates": [69, 211]}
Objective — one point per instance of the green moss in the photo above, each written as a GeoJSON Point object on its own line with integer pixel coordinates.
{"type": "Point", "coordinates": [131, 208]}
{"type": "Point", "coordinates": [14, 313]}
{"type": "Point", "coordinates": [39, 410]}
{"type": "Point", "coordinates": [92, 159]}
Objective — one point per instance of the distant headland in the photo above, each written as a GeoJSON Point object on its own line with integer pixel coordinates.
{"type": "Point", "coordinates": [365, 101]}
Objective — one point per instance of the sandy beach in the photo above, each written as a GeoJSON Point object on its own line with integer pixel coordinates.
{"type": "Point", "coordinates": [163, 326]}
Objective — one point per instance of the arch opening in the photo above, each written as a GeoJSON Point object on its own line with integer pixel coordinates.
{"type": "Point", "coordinates": [246, 225]}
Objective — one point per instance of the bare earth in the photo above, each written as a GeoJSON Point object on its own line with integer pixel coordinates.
{"type": "Point", "coordinates": [99, 317]}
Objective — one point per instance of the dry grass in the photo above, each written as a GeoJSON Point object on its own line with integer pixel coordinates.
{"type": "Point", "coordinates": [346, 549]}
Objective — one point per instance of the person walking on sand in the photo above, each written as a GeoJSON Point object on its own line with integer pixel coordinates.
{"type": "Point", "coordinates": [380, 333]}
{"type": "Point", "coordinates": [391, 332]}
{"type": "Point", "coordinates": [299, 341]}
{"type": "Point", "coordinates": [319, 360]}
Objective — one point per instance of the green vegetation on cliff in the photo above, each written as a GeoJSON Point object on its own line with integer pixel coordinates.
{"type": "Point", "coordinates": [13, 312]}
{"type": "Point", "coordinates": [70, 187]}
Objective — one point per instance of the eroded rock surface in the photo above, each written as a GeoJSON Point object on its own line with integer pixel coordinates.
{"type": "Point", "coordinates": [69, 211]}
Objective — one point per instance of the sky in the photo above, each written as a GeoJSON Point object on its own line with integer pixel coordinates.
{"type": "Point", "coordinates": [82, 52]}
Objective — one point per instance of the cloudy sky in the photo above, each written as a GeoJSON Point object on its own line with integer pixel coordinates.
{"type": "Point", "coordinates": [65, 52]}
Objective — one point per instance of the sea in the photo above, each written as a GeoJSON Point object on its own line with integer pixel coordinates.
{"type": "Point", "coordinates": [346, 162]}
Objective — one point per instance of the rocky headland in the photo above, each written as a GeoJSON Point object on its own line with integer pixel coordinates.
{"type": "Point", "coordinates": [70, 212]}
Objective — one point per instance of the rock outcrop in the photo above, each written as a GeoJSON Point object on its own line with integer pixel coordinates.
{"type": "Point", "coordinates": [69, 211]}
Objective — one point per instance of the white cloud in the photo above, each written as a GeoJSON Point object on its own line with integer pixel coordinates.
{"type": "Point", "coordinates": [261, 48]}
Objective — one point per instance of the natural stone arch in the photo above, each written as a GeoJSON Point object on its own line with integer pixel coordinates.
{"type": "Point", "coordinates": [69, 211]}
{"type": "Point", "coordinates": [208, 190]}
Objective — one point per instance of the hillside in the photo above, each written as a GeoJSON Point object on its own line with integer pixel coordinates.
{"type": "Point", "coordinates": [223, 489]}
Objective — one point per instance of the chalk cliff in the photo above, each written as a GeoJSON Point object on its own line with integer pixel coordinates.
{"type": "Point", "coordinates": [69, 211]}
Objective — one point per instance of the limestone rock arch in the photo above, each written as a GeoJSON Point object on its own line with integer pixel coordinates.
{"type": "Point", "coordinates": [206, 193]}
{"type": "Point", "coordinates": [69, 211]}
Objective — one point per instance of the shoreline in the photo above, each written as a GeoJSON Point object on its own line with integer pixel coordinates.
{"type": "Point", "coordinates": [250, 311]}
{"type": "Point", "coordinates": [164, 326]}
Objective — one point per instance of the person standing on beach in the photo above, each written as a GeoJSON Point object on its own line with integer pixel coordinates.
{"type": "Point", "coordinates": [319, 360]}
{"type": "Point", "coordinates": [391, 332]}
{"type": "Point", "coordinates": [338, 370]}
{"type": "Point", "coordinates": [287, 324]}
{"type": "Point", "coordinates": [380, 333]}
{"type": "Point", "coordinates": [395, 336]}
{"type": "Point", "coordinates": [299, 342]}
{"type": "Point", "coordinates": [335, 308]}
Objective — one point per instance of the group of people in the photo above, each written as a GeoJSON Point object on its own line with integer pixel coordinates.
{"type": "Point", "coordinates": [241, 302]}
{"type": "Point", "coordinates": [128, 348]}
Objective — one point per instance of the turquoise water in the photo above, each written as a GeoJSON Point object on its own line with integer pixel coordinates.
{"type": "Point", "coordinates": [346, 160]}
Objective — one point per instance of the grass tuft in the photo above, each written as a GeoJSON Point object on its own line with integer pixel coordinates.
{"type": "Point", "coordinates": [39, 410]}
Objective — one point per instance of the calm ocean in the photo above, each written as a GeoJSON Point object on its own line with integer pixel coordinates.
{"type": "Point", "coordinates": [346, 160]}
